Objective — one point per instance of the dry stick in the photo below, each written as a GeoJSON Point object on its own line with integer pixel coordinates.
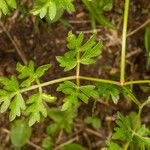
{"type": "Point", "coordinates": [66, 143]}
{"type": "Point", "coordinates": [15, 43]}
{"type": "Point", "coordinates": [139, 28]}
{"type": "Point", "coordinates": [29, 142]}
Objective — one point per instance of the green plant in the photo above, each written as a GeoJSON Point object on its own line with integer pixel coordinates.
{"type": "Point", "coordinates": [129, 133]}
{"type": "Point", "coordinates": [52, 9]}
{"type": "Point", "coordinates": [72, 147]}
{"type": "Point", "coordinates": [62, 120]}
{"type": "Point", "coordinates": [6, 6]}
{"type": "Point", "coordinates": [97, 9]}
{"type": "Point", "coordinates": [20, 133]}
{"type": "Point", "coordinates": [94, 121]}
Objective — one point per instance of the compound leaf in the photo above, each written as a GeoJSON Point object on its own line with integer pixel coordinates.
{"type": "Point", "coordinates": [87, 52]}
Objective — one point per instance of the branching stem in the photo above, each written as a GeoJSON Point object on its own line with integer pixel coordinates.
{"type": "Point", "coordinates": [80, 78]}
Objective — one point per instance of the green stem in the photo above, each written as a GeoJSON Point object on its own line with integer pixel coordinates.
{"type": "Point", "coordinates": [124, 38]}
{"type": "Point", "coordinates": [66, 79]}
{"type": "Point", "coordinates": [132, 97]}
{"type": "Point", "coordinates": [78, 69]}
{"type": "Point", "coordinates": [93, 23]}
{"type": "Point", "coordinates": [137, 82]}
{"type": "Point", "coordinates": [47, 83]}
{"type": "Point", "coordinates": [100, 80]}
{"type": "Point", "coordinates": [80, 78]}
{"type": "Point", "coordinates": [38, 83]}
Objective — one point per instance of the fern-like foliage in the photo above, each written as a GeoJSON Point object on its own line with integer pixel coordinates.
{"type": "Point", "coordinates": [52, 9]}
{"type": "Point", "coordinates": [74, 93]}
{"type": "Point", "coordinates": [6, 6]}
{"type": "Point", "coordinates": [88, 51]}
{"type": "Point", "coordinates": [11, 94]}
{"type": "Point", "coordinates": [130, 131]}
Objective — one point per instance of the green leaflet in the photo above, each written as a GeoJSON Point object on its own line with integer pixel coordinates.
{"type": "Point", "coordinates": [73, 147]}
{"type": "Point", "coordinates": [16, 106]}
{"type": "Point", "coordinates": [105, 5]}
{"type": "Point", "coordinates": [67, 4]}
{"type": "Point", "coordinates": [6, 6]}
{"type": "Point", "coordinates": [52, 8]}
{"type": "Point", "coordinates": [75, 93]}
{"type": "Point", "coordinates": [30, 74]}
{"type": "Point", "coordinates": [123, 131]}
{"type": "Point", "coordinates": [11, 98]}
{"type": "Point", "coordinates": [147, 44]}
{"type": "Point", "coordinates": [108, 91]}
{"type": "Point", "coordinates": [94, 121]}
{"type": "Point", "coordinates": [47, 143]}
{"type": "Point", "coordinates": [20, 133]}
{"type": "Point", "coordinates": [36, 107]}
{"type": "Point", "coordinates": [61, 119]}
{"type": "Point", "coordinates": [88, 51]}
{"type": "Point", "coordinates": [112, 146]}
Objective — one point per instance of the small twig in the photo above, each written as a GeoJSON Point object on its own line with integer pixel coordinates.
{"type": "Point", "coordinates": [93, 132]}
{"type": "Point", "coordinates": [88, 31]}
{"type": "Point", "coordinates": [88, 141]}
{"type": "Point", "coordinates": [139, 28]}
{"type": "Point", "coordinates": [35, 146]}
{"type": "Point", "coordinates": [88, 130]}
{"type": "Point", "coordinates": [66, 143]}
{"type": "Point", "coordinates": [15, 43]}
{"type": "Point", "coordinates": [132, 53]}
{"type": "Point", "coordinates": [29, 142]}
{"type": "Point", "coordinates": [79, 21]}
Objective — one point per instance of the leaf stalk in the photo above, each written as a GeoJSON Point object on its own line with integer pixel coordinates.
{"type": "Point", "coordinates": [124, 39]}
